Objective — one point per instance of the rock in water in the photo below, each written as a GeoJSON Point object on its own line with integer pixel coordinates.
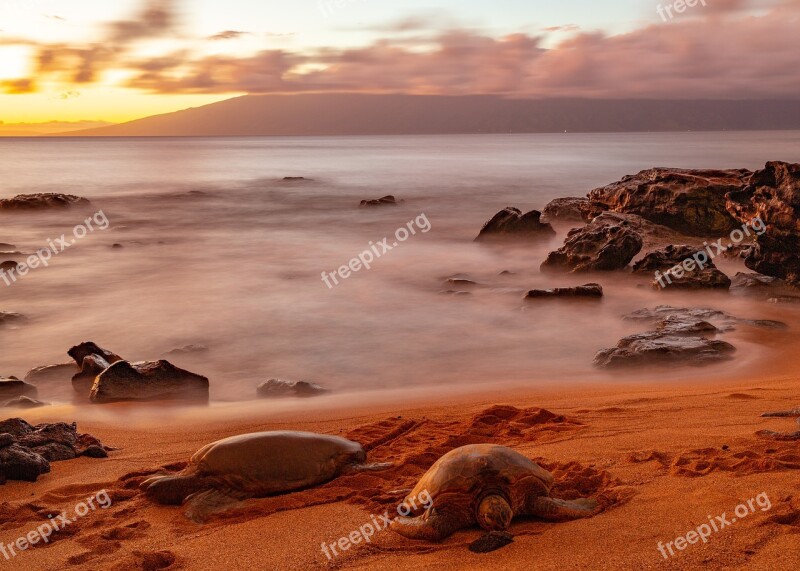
{"type": "Point", "coordinates": [92, 360]}
{"type": "Point", "coordinates": [690, 201]}
{"type": "Point", "coordinates": [571, 209]}
{"type": "Point", "coordinates": [279, 388]}
{"type": "Point", "coordinates": [12, 387]}
{"type": "Point", "coordinates": [512, 223]}
{"type": "Point", "coordinates": [598, 246]}
{"type": "Point", "coordinates": [669, 263]}
{"type": "Point", "coordinates": [148, 380]}
{"type": "Point", "coordinates": [24, 402]}
{"type": "Point", "coordinates": [773, 195]}
{"type": "Point", "coordinates": [591, 291]}
{"type": "Point", "coordinates": [387, 200]}
{"type": "Point", "coordinates": [42, 201]}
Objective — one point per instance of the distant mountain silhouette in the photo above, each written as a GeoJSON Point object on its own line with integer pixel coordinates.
{"type": "Point", "coordinates": [361, 114]}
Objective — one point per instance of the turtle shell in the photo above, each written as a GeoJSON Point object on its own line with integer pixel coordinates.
{"type": "Point", "coordinates": [466, 475]}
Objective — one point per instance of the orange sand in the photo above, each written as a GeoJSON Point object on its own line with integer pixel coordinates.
{"type": "Point", "coordinates": [653, 456]}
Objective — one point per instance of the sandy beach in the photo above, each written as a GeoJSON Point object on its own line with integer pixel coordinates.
{"type": "Point", "coordinates": [661, 459]}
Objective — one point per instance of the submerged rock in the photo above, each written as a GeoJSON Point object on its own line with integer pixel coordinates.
{"type": "Point", "coordinates": [12, 387]}
{"type": "Point", "coordinates": [24, 402]}
{"type": "Point", "coordinates": [10, 319]}
{"type": "Point", "coordinates": [591, 291]}
{"type": "Point", "coordinates": [690, 201]}
{"type": "Point", "coordinates": [43, 201]}
{"type": "Point", "coordinates": [148, 380]}
{"type": "Point", "coordinates": [51, 373]}
{"type": "Point", "coordinates": [512, 223]}
{"type": "Point", "coordinates": [671, 264]}
{"type": "Point", "coordinates": [388, 200]}
{"type": "Point", "coordinates": [279, 388]}
{"type": "Point", "coordinates": [598, 246]}
{"type": "Point", "coordinates": [772, 195]}
{"type": "Point", "coordinates": [657, 348]}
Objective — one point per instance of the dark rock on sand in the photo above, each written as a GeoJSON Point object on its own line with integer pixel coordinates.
{"type": "Point", "coordinates": [690, 201]}
{"type": "Point", "coordinates": [773, 195]}
{"type": "Point", "coordinates": [671, 263]}
{"type": "Point", "coordinates": [147, 380]}
{"type": "Point", "coordinates": [24, 402]}
{"type": "Point", "coordinates": [598, 246]}
{"type": "Point", "coordinates": [591, 291]}
{"type": "Point", "coordinates": [571, 209]}
{"type": "Point", "coordinates": [387, 200]}
{"type": "Point", "coordinates": [26, 451]}
{"type": "Point", "coordinates": [279, 388]}
{"type": "Point", "coordinates": [12, 387]}
{"type": "Point", "coordinates": [512, 223]}
{"type": "Point", "coordinates": [42, 201]}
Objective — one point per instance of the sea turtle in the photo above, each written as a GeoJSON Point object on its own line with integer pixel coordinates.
{"type": "Point", "coordinates": [483, 484]}
{"type": "Point", "coordinates": [256, 465]}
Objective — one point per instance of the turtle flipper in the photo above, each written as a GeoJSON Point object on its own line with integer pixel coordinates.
{"type": "Point", "coordinates": [430, 526]}
{"type": "Point", "coordinates": [551, 509]}
{"type": "Point", "coordinates": [202, 505]}
{"type": "Point", "coordinates": [788, 436]}
{"type": "Point", "coordinates": [783, 413]}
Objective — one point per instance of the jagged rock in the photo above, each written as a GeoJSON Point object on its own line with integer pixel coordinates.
{"type": "Point", "coordinates": [278, 388]}
{"type": "Point", "coordinates": [690, 201]}
{"type": "Point", "coordinates": [147, 380]}
{"type": "Point", "coordinates": [571, 209]}
{"type": "Point", "coordinates": [42, 201]}
{"type": "Point", "coordinates": [23, 402]}
{"type": "Point", "coordinates": [26, 451]}
{"type": "Point", "coordinates": [512, 223]}
{"type": "Point", "coordinates": [772, 195]}
{"type": "Point", "coordinates": [591, 291]}
{"type": "Point", "coordinates": [671, 263]}
{"type": "Point", "coordinates": [12, 387]}
{"type": "Point", "coordinates": [80, 352]}
{"type": "Point", "coordinates": [92, 360]}
{"type": "Point", "coordinates": [387, 200]}
{"type": "Point", "coordinates": [598, 246]}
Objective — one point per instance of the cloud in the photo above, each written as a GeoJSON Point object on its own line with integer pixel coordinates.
{"type": "Point", "coordinates": [228, 35]}
{"type": "Point", "coordinates": [17, 86]}
{"type": "Point", "coordinates": [753, 55]}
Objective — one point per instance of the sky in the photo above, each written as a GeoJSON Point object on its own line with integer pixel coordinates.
{"type": "Point", "coordinates": [117, 60]}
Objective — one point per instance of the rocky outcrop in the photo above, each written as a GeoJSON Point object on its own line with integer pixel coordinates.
{"type": "Point", "coordinates": [511, 223]}
{"type": "Point", "coordinates": [599, 246]}
{"type": "Point", "coordinates": [387, 200]}
{"type": "Point", "coordinates": [681, 337]}
{"type": "Point", "coordinates": [677, 267]}
{"type": "Point", "coordinates": [773, 196]}
{"type": "Point", "coordinates": [279, 388]}
{"type": "Point", "coordinates": [147, 381]}
{"type": "Point", "coordinates": [92, 360]}
{"type": "Point", "coordinates": [571, 209]}
{"type": "Point", "coordinates": [26, 451]}
{"type": "Point", "coordinates": [23, 402]}
{"type": "Point", "coordinates": [590, 291]}
{"type": "Point", "coordinates": [690, 201]}
{"type": "Point", "coordinates": [44, 201]}
{"type": "Point", "coordinates": [12, 387]}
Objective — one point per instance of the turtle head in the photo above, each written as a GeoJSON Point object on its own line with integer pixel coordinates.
{"type": "Point", "coordinates": [169, 490]}
{"type": "Point", "coordinates": [494, 513]}
{"type": "Point", "coordinates": [351, 457]}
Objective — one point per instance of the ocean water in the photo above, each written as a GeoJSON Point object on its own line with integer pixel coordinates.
{"type": "Point", "coordinates": [218, 250]}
